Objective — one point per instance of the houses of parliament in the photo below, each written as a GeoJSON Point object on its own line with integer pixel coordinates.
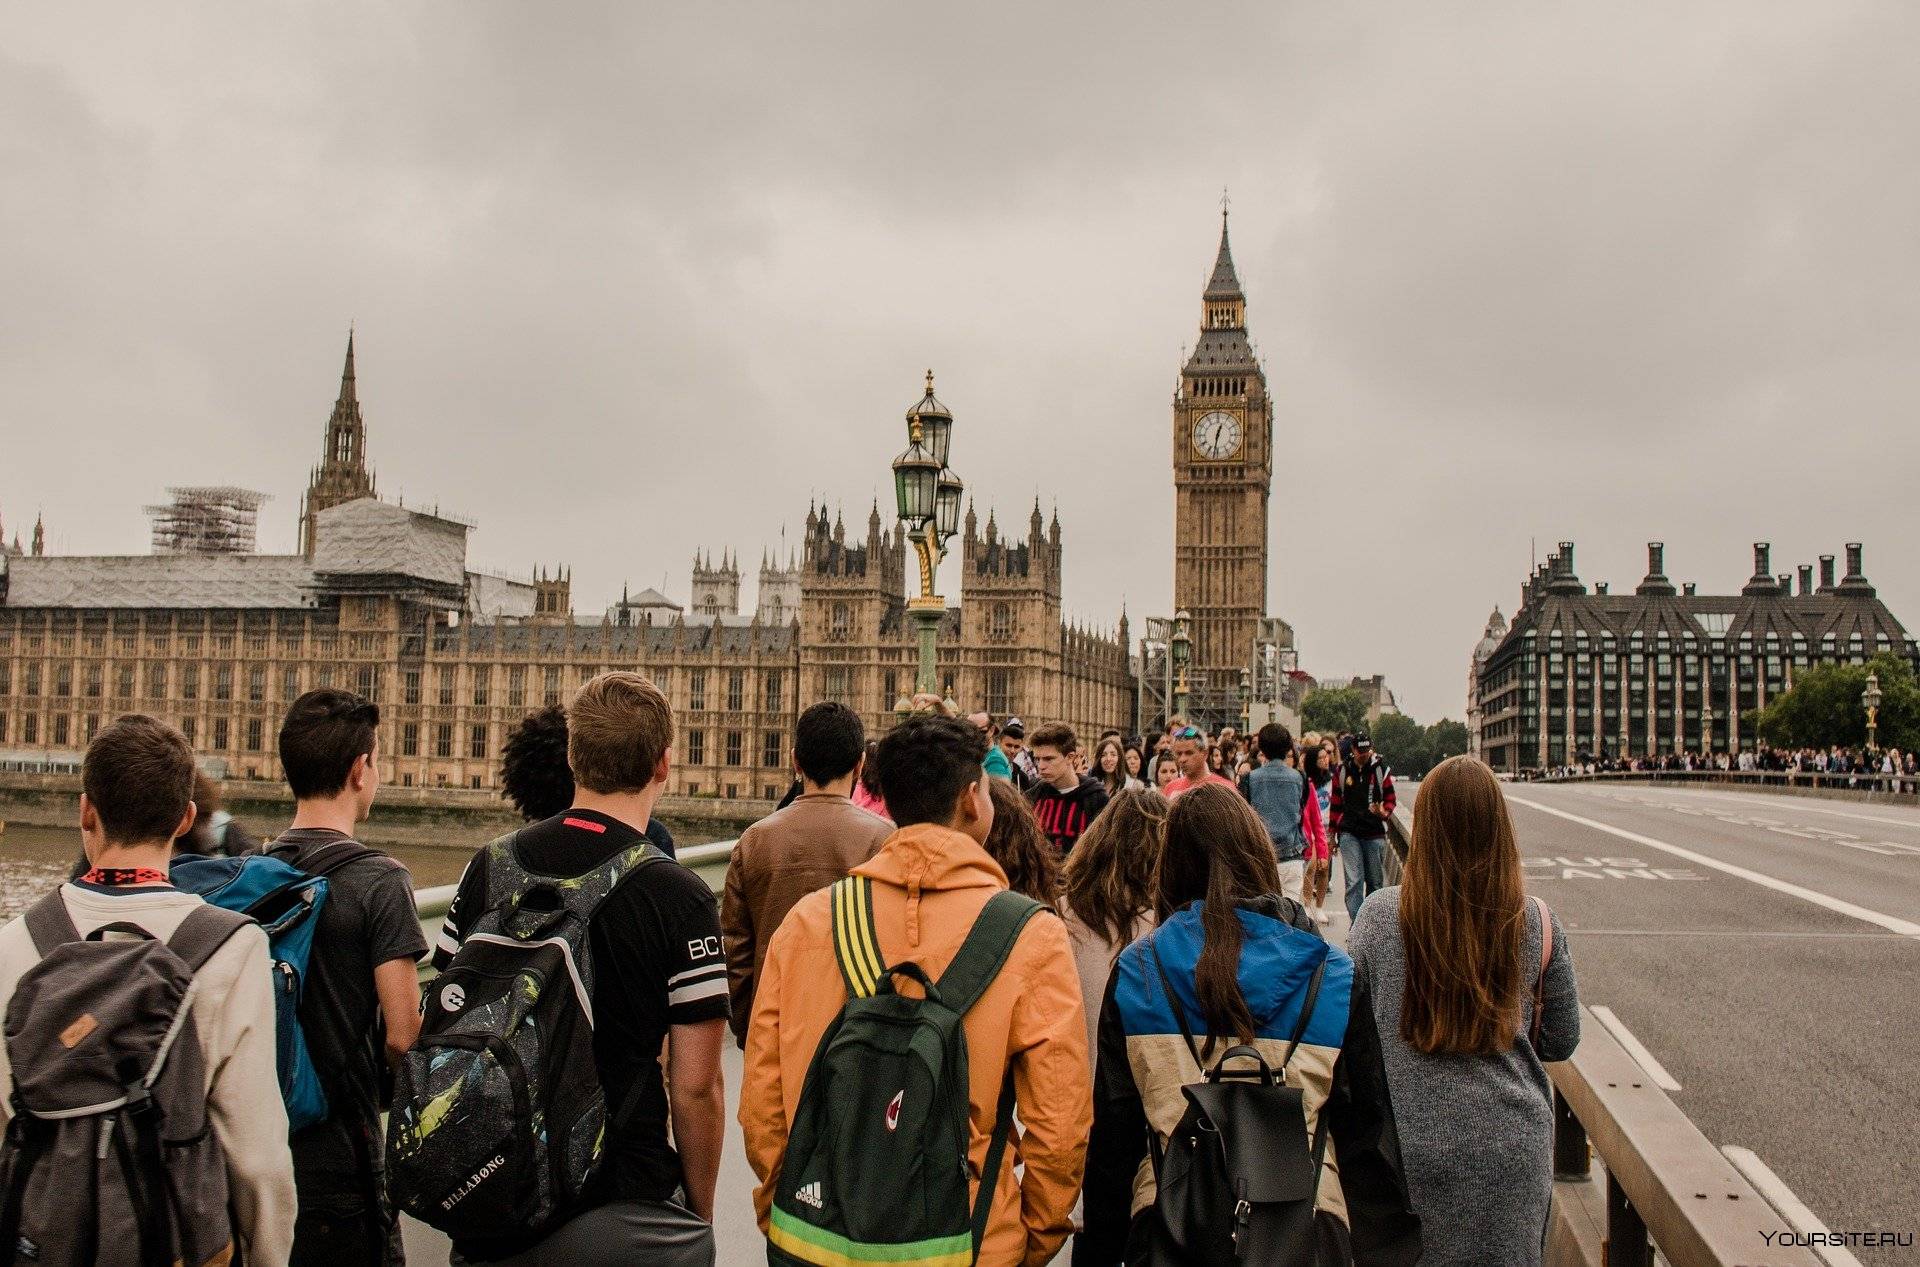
{"type": "Point", "coordinates": [380, 598]}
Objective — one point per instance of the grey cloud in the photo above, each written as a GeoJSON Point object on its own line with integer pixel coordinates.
{"type": "Point", "coordinates": [635, 279]}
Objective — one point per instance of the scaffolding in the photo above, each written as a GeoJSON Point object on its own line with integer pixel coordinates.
{"type": "Point", "coordinates": [207, 520]}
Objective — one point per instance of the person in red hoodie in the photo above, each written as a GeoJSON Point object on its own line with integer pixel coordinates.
{"type": "Point", "coordinates": [1065, 801]}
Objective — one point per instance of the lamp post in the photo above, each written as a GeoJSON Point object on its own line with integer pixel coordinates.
{"type": "Point", "coordinates": [1182, 649]}
{"type": "Point", "coordinates": [1871, 699]}
{"type": "Point", "coordinates": [928, 496]}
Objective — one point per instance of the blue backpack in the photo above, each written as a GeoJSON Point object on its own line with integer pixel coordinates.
{"type": "Point", "coordinates": [286, 902]}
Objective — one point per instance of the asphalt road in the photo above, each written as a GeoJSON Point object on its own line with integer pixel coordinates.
{"type": "Point", "coordinates": [1772, 965]}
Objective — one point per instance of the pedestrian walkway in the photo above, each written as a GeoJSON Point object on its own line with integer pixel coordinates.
{"type": "Point", "coordinates": [735, 1229]}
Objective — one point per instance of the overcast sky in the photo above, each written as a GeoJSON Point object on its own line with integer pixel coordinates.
{"type": "Point", "coordinates": [634, 279]}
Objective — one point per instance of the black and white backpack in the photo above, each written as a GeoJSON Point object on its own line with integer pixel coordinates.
{"type": "Point", "coordinates": [498, 1122]}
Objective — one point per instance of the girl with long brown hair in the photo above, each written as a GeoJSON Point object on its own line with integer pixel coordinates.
{"type": "Point", "coordinates": [1020, 847]}
{"type": "Point", "coordinates": [1450, 966]}
{"type": "Point", "coordinates": [1110, 767]}
{"type": "Point", "coordinates": [1109, 895]}
{"type": "Point", "coordinates": [1231, 961]}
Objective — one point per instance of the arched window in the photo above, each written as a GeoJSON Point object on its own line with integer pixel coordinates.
{"type": "Point", "coordinates": [1000, 623]}
{"type": "Point", "coordinates": [842, 621]}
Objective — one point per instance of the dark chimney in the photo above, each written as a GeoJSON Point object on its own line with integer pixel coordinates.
{"type": "Point", "coordinates": [1688, 589]}
{"type": "Point", "coordinates": [1656, 581]}
{"type": "Point", "coordinates": [1855, 581]}
{"type": "Point", "coordinates": [1563, 581]}
{"type": "Point", "coordinates": [1786, 582]}
{"type": "Point", "coordinates": [1806, 579]}
{"type": "Point", "coordinates": [1762, 580]}
{"type": "Point", "coordinates": [1826, 574]}
{"type": "Point", "coordinates": [1599, 587]}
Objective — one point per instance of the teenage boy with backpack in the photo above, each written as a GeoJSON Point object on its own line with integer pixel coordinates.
{"type": "Point", "coordinates": [624, 943]}
{"type": "Point", "coordinates": [360, 1005]}
{"type": "Point", "coordinates": [930, 906]}
{"type": "Point", "coordinates": [73, 1007]}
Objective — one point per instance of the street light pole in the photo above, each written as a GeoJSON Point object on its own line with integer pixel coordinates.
{"type": "Point", "coordinates": [1181, 647]}
{"type": "Point", "coordinates": [1871, 698]}
{"type": "Point", "coordinates": [928, 496]}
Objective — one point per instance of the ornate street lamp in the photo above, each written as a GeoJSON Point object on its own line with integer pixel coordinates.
{"type": "Point", "coordinates": [1182, 648]}
{"type": "Point", "coordinates": [1871, 699]}
{"type": "Point", "coordinates": [928, 496]}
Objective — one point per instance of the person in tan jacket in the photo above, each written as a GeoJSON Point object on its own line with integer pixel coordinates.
{"type": "Point", "coordinates": [930, 880]}
{"type": "Point", "coordinates": [808, 845]}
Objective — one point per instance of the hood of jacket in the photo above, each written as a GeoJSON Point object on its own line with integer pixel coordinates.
{"type": "Point", "coordinates": [927, 858]}
{"type": "Point", "coordinates": [1277, 956]}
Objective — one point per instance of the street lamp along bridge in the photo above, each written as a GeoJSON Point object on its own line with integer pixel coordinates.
{"type": "Point", "coordinates": [927, 495]}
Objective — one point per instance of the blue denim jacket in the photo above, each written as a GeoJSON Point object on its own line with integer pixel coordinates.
{"type": "Point", "coordinates": [1278, 793]}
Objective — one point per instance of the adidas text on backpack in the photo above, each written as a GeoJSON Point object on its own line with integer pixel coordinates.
{"type": "Point", "coordinates": [875, 1169]}
{"type": "Point", "coordinates": [109, 1157]}
{"type": "Point", "coordinates": [498, 1121]}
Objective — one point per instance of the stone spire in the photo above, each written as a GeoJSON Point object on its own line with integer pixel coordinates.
{"type": "Point", "coordinates": [1225, 283]}
{"type": "Point", "coordinates": [39, 536]}
{"type": "Point", "coordinates": [343, 474]}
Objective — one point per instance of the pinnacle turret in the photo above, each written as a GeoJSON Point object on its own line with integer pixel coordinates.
{"type": "Point", "coordinates": [1225, 282]}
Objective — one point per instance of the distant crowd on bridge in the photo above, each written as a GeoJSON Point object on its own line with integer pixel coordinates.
{"type": "Point", "coordinates": [997, 994]}
{"type": "Point", "coordinates": [1834, 766]}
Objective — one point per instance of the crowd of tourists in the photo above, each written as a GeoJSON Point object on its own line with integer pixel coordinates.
{"type": "Point", "coordinates": [997, 993]}
{"type": "Point", "coordinates": [1845, 766]}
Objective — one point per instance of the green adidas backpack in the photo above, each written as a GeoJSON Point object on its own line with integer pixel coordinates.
{"type": "Point", "coordinates": [876, 1165]}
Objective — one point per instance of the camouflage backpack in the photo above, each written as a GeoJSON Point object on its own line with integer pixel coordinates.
{"type": "Point", "coordinates": [498, 1121]}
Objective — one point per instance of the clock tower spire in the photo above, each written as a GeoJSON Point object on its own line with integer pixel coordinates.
{"type": "Point", "coordinates": [1222, 482]}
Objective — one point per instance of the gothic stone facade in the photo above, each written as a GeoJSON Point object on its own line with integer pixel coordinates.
{"type": "Point", "coordinates": [1584, 673]}
{"type": "Point", "coordinates": [380, 601]}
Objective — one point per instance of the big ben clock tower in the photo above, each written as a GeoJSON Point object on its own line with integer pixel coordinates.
{"type": "Point", "coordinates": [1222, 479]}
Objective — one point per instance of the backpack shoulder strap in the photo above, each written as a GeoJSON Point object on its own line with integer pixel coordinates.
{"type": "Point", "coordinates": [1546, 958]}
{"type": "Point", "coordinates": [330, 859]}
{"type": "Point", "coordinates": [201, 934]}
{"type": "Point", "coordinates": [1306, 1014]}
{"type": "Point", "coordinates": [856, 941]}
{"type": "Point", "coordinates": [50, 923]}
{"type": "Point", "coordinates": [986, 948]}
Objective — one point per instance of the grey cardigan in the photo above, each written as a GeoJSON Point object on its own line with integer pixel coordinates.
{"type": "Point", "coordinates": [1476, 1132]}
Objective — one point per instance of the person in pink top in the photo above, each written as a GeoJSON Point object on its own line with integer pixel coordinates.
{"type": "Point", "coordinates": [867, 793]}
{"type": "Point", "coordinates": [1190, 755]}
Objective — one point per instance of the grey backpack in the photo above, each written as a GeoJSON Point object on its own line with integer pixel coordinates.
{"type": "Point", "coordinates": [109, 1157]}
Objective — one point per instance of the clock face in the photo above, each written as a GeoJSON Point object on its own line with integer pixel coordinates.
{"type": "Point", "coordinates": [1217, 435]}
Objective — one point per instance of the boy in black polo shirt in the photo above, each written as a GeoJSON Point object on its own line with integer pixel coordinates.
{"type": "Point", "coordinates": [659, 974]}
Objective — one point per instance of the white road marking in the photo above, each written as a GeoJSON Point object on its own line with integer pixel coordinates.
{"type": "Point", "coordinates": [1635, 1048]}
{"type": "Point", "coordinates": [1790, 1207]}
{"type": "Point", "coordinates": [1773, 802]}
{"type": "Point", "coordinates": [1892, 923]}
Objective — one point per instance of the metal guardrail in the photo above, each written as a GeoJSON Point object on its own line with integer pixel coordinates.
{"type": "Point", "coordinates": [1666, 1184]}
{"type": "Point", "coordinates": [1904, 788]}
{"type": "Point", "coordinates": [433, 902]}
